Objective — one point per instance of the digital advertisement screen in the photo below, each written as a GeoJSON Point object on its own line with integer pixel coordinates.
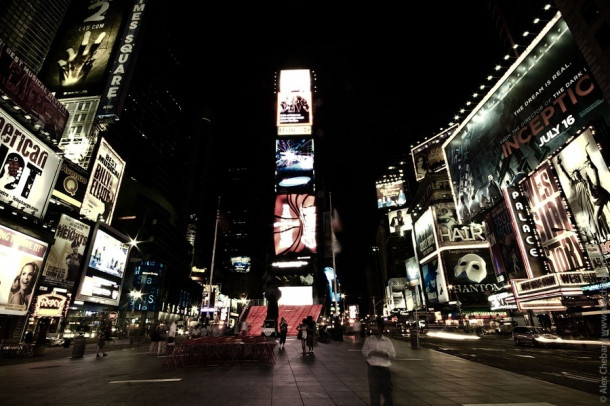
{"type": "Point", "coordinates": [28, 168]}
{"type": "Point", "coordinates": [425, 240]}
{"type": "Point", "coordinates": [294, 229]}
{"type": "Point", "coordinates": [295, 296]}
{"type": "Point", "coordinates": [294, 164]}
{"type": "Point", "coordinates": [106, 261]}
{"type": "Point", "coordinates": [294, 108]}
{"type": "Point", "coordinates": [390, 194]}
{"type": "Point", "coordinates": [557, 236]}
{"type": "Point", "coordinates": [240, 264]}
{"type": "Point", "coordinates": [21, 257]}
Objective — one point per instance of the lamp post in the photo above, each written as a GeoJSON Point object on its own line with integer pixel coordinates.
{"type": "Point", "coordinates": [458, 305]}
{"type": "Point", "coordinates": [213, 256]}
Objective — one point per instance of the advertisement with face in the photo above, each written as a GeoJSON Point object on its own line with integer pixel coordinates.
{"type": "Point", "coordinates": [78, 61]}
{"type": "Point", "coordinates": [294, 108]}
{"type": "Point", "coordinates": [390, 194]}
{"type": "Point", "coordinates": [294, 165]}
{"type": "Point", "coordinates": [471, 275]}
{"type": "Point", "coordinates": [21, 257]}
{"type": "Point", "coordinates": [428, 156]}
{"type": "Point", "coordinates": [585, 180]}
{"type": "Point", "coordinates": [400, 221]}
{"type": "Point", "coordinates": [559, 245]}
{"type": "Point", "coordinates": [104, 184]}
{"type": "Point", "coordinates": [294, 229]}
{"type": "Point", "coordinates": [526, 118]}
{"type": "Point", "coordinates": [28, 168]}
{"type": "Point", "coordinates": [65, 261]}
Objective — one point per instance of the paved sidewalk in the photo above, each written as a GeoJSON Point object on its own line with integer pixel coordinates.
{"type": "Point", "coordinates": [335, 375]}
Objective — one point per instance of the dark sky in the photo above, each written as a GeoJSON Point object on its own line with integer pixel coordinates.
{"type": "Point", "coordinates": [388, 76]}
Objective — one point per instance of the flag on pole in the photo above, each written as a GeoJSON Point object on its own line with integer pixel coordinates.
{"type": "Point", "coordinates": [335, 226]}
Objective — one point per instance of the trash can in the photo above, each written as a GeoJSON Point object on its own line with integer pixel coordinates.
{"type": "Point", "coordinates": [67, 342]}
{"type": "Point", "coordinates": [414, 334]}
{"type": "Point", "coordinates": [79, 347]}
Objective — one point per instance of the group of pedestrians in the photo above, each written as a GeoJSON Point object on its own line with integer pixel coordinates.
{"type": "Point", "coordinates": [162, 338]}
{"type": "Point", "coordinates": [307, 334]}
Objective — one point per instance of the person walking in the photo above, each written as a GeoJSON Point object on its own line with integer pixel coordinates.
{"type": "Point", "coordinates": [302, 334]}
{"type": "Point", "coordinates": [283, 332]}
{"type": "Point", "coordinates": [378, 352]}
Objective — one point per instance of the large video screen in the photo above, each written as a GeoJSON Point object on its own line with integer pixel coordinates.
{"type": "Point", "coordinates": [107, 258]}
{"type": "Point", "coordinates": [294, 229]}
{"type": "Point", "coordinates": [294, 164]}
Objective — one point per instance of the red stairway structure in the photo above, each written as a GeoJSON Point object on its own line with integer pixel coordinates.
{"type": "Point", "coordinates": [294, 315]}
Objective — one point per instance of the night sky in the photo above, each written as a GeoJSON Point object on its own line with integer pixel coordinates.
{"type": "Point", "coordinates": [386, 78]}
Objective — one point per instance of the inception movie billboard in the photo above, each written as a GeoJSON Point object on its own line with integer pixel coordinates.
{"type": "Point", "coordinates": [79, 58]}
{"type": "Point", "coordinates": [540, 102]}
{"type": "Point", "coordinates": [294, 228]}
{"type": "Point", "coordinates": [294, 165]}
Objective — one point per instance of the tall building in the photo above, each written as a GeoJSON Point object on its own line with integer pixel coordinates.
{"type": "Point", "coordinates": [29, 27]}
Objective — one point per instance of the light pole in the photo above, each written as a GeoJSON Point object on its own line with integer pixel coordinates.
{"type": "Point", "coordinates": [213, 256]}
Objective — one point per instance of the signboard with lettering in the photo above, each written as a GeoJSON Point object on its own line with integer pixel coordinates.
{"type": "Point", "coordinates": [28, 168]}
{"type": "Point", "coordinates": [104, 184]}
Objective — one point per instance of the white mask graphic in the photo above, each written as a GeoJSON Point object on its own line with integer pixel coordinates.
{"type": "Point", "coordinates": [473, 265]}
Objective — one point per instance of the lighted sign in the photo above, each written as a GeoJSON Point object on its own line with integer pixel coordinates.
{"type": "Point", "coordinates": [104, 184]}
{"type": "Point", "coordinates": [240, 264]}
{"type": "Point", "coordinates": [428, 156]}
{"type": "Point", "coordinates": [471, 274]}
{"type": "Point", "coordinates": [28, 168]}
{"type": "Point", "coordinates": [552, 221]}
{"type": "Point", "coordinates": [52, 305]}
{"type": "Point", "coordinates": [295, 224]}
{"type": "Point", "coordinates": [399, 221]}
{"type": "Point", "coordinates": [553, 281]}
{"type": "Point", "coordinates": [21, 258]}
{"type": "Point", "coordinates": [106, 259]}
{"type": "Point", "coordinates": [294, 108]}
{"type": "Point", "coordinates": [294, 159]}
{"type": "Point", "coordinates": [434, 285]}
{"type": "Point", "coordinates": [295, 296]}
{"type": "Point", "coordinates": [425, 241]}
{"type": "Point", "coordinates": [390, 194]}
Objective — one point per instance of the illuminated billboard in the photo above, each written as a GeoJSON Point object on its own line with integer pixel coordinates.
{"type": "Point", "coordinates": [585, 180]}
{"type": "Point", "coordinates": [28, 168]}
{"type": "Point", "coordinates": [240, 264]}
{"type": "Point", "coordinates": [294, 165]}
{"type": "Point", "coordinates": [79, 59]}
{"type": "Point", "coordinates": [428, 156]}
{"type": "Point", "coordinates": [24, 89]}
{"type": "Point", "coordinates": [434, 285]}
{"type": "Point", "coordinates": [557, 236]}
{"type": "Point", "coordinates": [295, 296]}
{"type": "Point", "coordinates": [105, 265]}
{"type": "Point", "coordinates": [294, 108]}
{"type": "Point", "coordinates": [71, 184]}
{"type": "Point", "coordinates": [425, 240]}
{"type": "Point", "coordinates": [104, 184]}
{"type": "Point", "coordinates": [399, 221]}
{"type": "Point", "coordinates": [390, 194]}
{"type": "Point", "coordinates": [470, 274]}
{"type": "Point", "coordinates": [79, 139]}
{"type": "Point", "coordinates": [66, 256]}
{"type": "Point", "coordinates": [539, 103]}
{"type": "Point", "coordinates": [294, 229]}
{"type": "Point", "coordinates": [21, 258]}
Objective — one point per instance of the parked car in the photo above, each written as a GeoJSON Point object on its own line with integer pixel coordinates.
{"type": "Point", "coordinates": [534, 336]}
{"type": "Point", "coordinates": [269, 328]}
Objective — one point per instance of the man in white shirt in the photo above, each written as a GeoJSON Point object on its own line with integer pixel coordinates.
{"type": "Point", "coordinates": [379, 351]}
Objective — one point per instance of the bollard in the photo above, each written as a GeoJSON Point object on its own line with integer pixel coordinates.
{"type": "Point", "coordinates": [79, 347]}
